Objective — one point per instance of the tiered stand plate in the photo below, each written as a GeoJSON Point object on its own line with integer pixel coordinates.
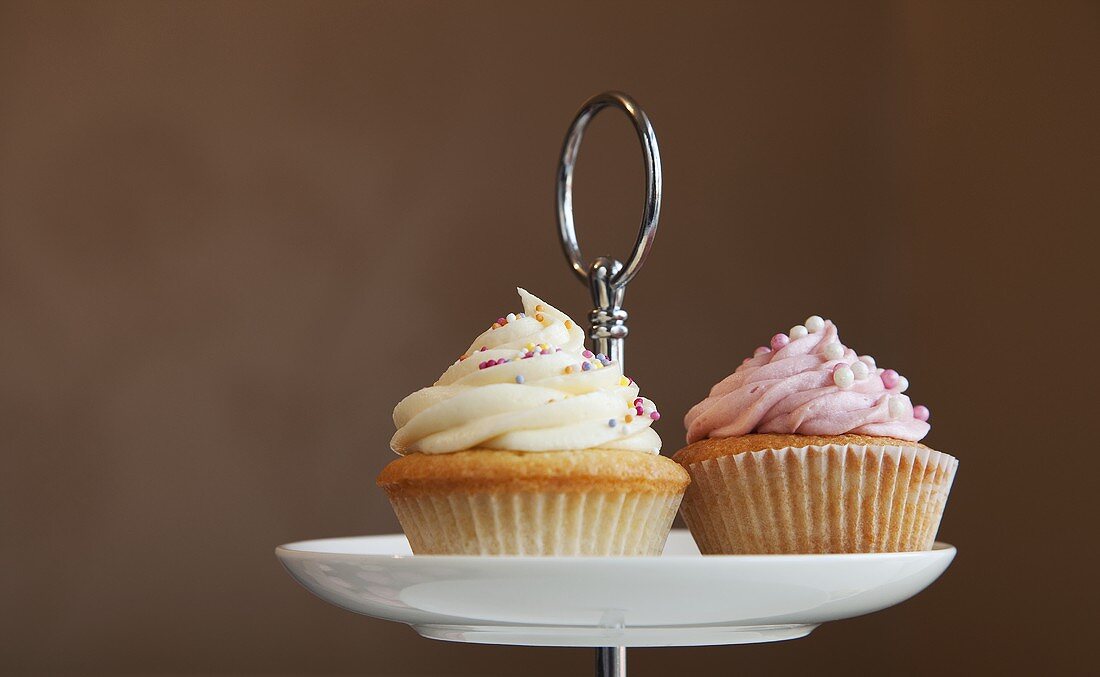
{"type": "Point", "coordinates": [681, 598]}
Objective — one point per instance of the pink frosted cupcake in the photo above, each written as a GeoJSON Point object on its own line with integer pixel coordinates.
{"type": "Point", "coordinates": [810, 448]}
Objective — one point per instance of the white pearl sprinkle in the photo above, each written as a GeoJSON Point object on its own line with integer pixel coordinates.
{"type": "Point", "coordinates": [511, 317]}
{"type": "Point", "coordinates": [843, 377]}
{"type": "Point", "coordinates": [860, 370]}
{"type": "Point", "coordinates": [797, 332]}
{"type": "Point", "coordinates": [897, 407]}
{"type": "Point", "coordinates": [814, 324]}
{"type": "Point", "coordinates": [868, 360]}
{"type": "Point", "coordinates": [903, 384]}
{"type": "Point", "coordinates": [834, 351]}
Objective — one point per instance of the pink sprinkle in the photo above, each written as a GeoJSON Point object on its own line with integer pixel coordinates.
{"type": "Point", "coordinates": [501, 321]}
{"type": "Point", "coordinates": [762, 350]}
{"type": "Point", "coordinates": [587, 353]}
{"type": "Point", "coordinates": [483, 348]}
{"type": "Point", "coordinates": [889, 378]}
{"type": "Point", "coordinates": [546, 352]}
{"type": "Point", "coordinates": [656, 416]}
{"type": "Point", "coordinates": [638, 401]}
{"type": "Point", "coordinates": [921, 413]}
{"type": "Point", "coordinates": [482, 365]}
{"type": "Point", "coordinates": [779, 340]}
{"type": "Point", "coordinates": [639, 410]}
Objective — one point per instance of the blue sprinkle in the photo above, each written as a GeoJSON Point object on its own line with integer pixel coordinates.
{"type": "Point", "coordinates": [612, 422]}
{"type": "Point", "coordinates": [519, 378]}
{"type": "Point", "coordinates": [587, 366]}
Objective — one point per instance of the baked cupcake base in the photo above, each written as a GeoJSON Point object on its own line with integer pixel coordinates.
{"type": "Point", "coordinates": [814, 494]}
{"type": "Point", "coordinates": [490, 502]}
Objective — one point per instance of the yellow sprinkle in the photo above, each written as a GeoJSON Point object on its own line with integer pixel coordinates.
{"type": "Point", "coordinates": [623, 381]}
{"type": "Point", "coordinates": [539, 317]}
{"type": "Point", "coordinates": [539, 307]}
{"type": "Point", "coordinates": [530, 346]}
{"type": "Point", "coordinates": [496, 325]}
{"type": "Point", "coordinates": [628, 418]}
{"type": "Point", "coordinates": [569, 369]}
{"type": "Point", "coordinates": [568, 324]}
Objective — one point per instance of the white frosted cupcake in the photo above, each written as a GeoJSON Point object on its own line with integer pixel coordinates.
{"type": "Point", "coordinates": [531, 444]}
{"type": "Point", "coordinates": [808, 447]}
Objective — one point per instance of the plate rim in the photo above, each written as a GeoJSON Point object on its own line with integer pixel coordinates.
{"type": "Point", "coordinates": [302, 549]}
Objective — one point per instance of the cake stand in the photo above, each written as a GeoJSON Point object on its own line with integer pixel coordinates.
{"type": "Point", "coordinates": [680, 598]}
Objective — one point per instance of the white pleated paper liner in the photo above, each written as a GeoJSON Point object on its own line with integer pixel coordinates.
{"type": "Point", "coordinates": [819, 499]}
{"type": "Point", "coordinates": [593, 522]}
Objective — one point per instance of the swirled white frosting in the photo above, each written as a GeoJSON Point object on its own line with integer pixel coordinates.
{"type": "Point", "coordinates": [527, 384]}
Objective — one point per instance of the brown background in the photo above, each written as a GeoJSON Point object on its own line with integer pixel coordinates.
{"type": "Point", "coordinates": [233, 235]}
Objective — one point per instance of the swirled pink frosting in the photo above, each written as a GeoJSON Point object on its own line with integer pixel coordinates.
{"type": "Point", "coordinates": [804, 385]}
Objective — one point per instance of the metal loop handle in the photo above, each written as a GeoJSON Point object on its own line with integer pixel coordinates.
{"type": "Point", "coordinates": [648, 229]}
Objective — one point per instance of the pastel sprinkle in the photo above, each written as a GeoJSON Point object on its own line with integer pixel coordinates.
{"type": "Point", "coordinates": [588, 354]}
{"type": "Point", "coordinates": [540, 317]}
{"type": "Point", "coordinates": [889, 378]}
{"type": "Point", "coordinates": [762, 350]}
{"type": "Point", "coordinates": [639, 410]}
{"type": "Point", "coordinates": [611, 423]}
{"type": "Point", "coordinates": [540, 307]}
{"type": "Point", "coordinates": [519, 378]}
{"type": "Point", "coordinates": [860, 370]}
{"type": "Point", "coordinates": [497, 325]}
{"type": "Point", "coordinates": [656, 416]}
{"type": "Point", "coordinates": [501, 321]}
{"type": "Point", "coordinates": [638, 401]}
{"type": "Point", "coordinates": [814, 324]}
{"type": "Point", "coordinates": [624, 381]}
{"type": "Point", "coordinates": [483, 348]}
{"type": "Point", "coordinates": [843, 376]}
{"type": "Point", "coordinates": [779, 340]}
{"type": "Point", "coordinates": [569, 324]}
{"type": "Point", "coordinates": [628, 418]}
{"type": "Point", "coordinates": [569, 369]}
{"type": "Point", "coordinates": [587, 366]}
{"type": "Point", "coordinates": [834, 351]}
{"type": "Point", "coordinates": [797, 332]}
{"type": "Point", "coordinates": [921, 413]}
{"type": "Point", "coordinates": [903, 384]}
{"type": "Point", "coordinates": [511, 317]}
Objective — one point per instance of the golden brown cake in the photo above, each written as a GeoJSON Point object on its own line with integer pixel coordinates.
{"type": "Point", "coordinates": [589, 502]}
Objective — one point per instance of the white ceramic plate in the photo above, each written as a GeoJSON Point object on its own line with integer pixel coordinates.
{"type": "Point", "coordinates": [679, 599]}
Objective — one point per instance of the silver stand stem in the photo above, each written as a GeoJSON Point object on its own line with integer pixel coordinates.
{"type": "Point", "coordinates": [611, 661]}
{"type": "Point", "coordinates": [607, 277]}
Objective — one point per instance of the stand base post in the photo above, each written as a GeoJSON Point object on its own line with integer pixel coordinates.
{"type": "Point", "coordinates": [611, 661]}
